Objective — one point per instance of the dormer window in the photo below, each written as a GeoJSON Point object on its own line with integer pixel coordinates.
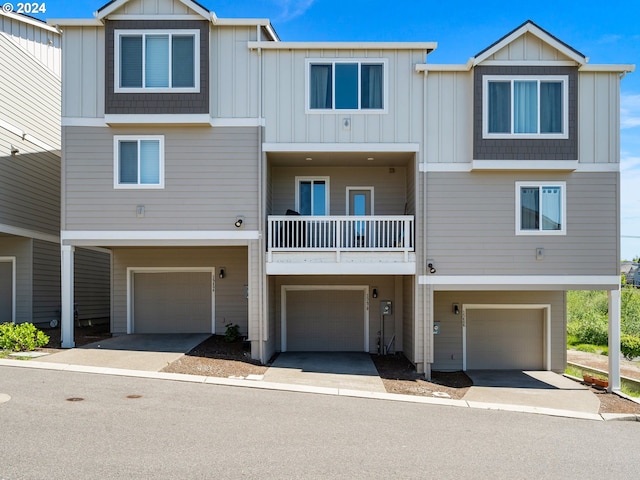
{"type": "Point", "coordinates": [157, 61]}
{"type": "Point", "coordinates": [525, 107]}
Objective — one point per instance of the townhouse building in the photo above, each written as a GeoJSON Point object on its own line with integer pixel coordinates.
{"type": "Point", "coordinates": [338, 196]}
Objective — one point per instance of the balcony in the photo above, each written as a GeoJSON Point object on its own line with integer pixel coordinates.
{"type": "Point", "coordinates": [341, 245]}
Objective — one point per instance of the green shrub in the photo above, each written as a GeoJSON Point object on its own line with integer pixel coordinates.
{"type": "Point", "coordinates": [591, 328]}
{"type": "Point", "coordinates": [587, 348]}
{"type": "Point", "coordinates": [572, 340]}
{"type": "Point", "coordinates": [232, 334]}
{"type": "Point", "coordinates": [630, 346]}
{"type": "Point", "coordinates": [22, 337]}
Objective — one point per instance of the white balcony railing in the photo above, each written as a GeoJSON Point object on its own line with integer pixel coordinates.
{"type": "Point", "coordinates": [390, 233]}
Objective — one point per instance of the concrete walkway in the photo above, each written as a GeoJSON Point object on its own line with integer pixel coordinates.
{"type": "Point", "coordinates": [354, 371]}
{"type": "Point", "coordinates": [136, 352]}
{"type": "Point", "coordinates": [539, 389]}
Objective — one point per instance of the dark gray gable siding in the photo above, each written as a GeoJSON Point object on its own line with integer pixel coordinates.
{"type": "Point", "coordinates": [156, 103]}
{"type": "Point", "coordinates": [525, 149]}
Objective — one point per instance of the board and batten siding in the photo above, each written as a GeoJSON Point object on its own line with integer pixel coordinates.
{"type": "Point", "coordinates": [40, 42]}
{"type": "Point", "coordinates": [449, 114]}
{"type": "Point", "coordinates": [448, 343]}
{"type": "Point", "coordinates": [231, 304]}
{"type": "Point", "coordinates": [211, 175]}
{"type": "Point", "coordinates": [83, 72]}
{"type": "Point", "coordinates": [30, 95]}
{"type": "Point", "coordinates": [234, 73]}
{"type": "Point", "coordinates": [46, 281]}
{"type": "Point", "coordinates": [471, 225]}
{"type": "Point", "coordinates": [92, 284]}
{"type": "Point", "coordinates": [284, 98]}
{"type": "Point", "coordinates": [154, 7]}
{"type": "Point", "coordinates": [389, 188]}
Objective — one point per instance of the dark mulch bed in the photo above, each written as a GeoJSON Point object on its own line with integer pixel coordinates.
{"type": "Point", "coordinates": [82, 335]}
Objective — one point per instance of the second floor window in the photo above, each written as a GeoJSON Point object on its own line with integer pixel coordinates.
{"type": "Point", "coordinates": [346, 85]}
{"type": "Point", "coordinates": [525, 107]}
{"type": "Point", "coordinates": [139, 161]}
{"type": "Point", "coordinates": [156, 61]}
{"type": "Point", "coordinates": [540, 208]}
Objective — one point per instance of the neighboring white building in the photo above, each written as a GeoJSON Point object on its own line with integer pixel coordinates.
{"type": "Point", "coordinates": [339, 196]}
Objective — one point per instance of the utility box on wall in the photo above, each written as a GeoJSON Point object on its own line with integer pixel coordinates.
{"type": "Point", "coordinates": [386, 307]}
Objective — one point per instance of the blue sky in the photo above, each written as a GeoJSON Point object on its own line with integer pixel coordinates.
{"type": "Point", "coordinates": [607, 32]}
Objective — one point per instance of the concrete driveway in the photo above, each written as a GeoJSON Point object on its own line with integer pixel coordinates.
{"type": "Point", "coordinates": [344, 370]}
{"type": "Point", "coordinates": [135, 352]}
{"type": "Point", "coordinates": [530, 388]}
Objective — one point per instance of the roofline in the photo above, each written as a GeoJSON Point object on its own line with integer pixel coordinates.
{"type": "Point", "coordinates": [29, 20]}
{"type": "Point", "coordinates": [608, 67]}
{"type": "Point", "coordinates": [428, 46]}
{"type": "Point", "coordinates": [74, 22]}
{"type": "Point", "coordinates": [604, 67]}
{"type": "Point", "coordinates": [113, 5]}
{"type": "Point", "coordinates": [536, 30]}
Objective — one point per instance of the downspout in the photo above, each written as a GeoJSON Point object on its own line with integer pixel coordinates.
{"type": "Point", "coordinates": [261, 216]}
{"type": "Point", "coordinates": [427, 306]}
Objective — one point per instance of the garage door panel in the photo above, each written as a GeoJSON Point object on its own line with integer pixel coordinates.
{"type": "Point", "coordinates": [325, 320]}
{"type": "Point", "coordinates": [505, 339]}
{"type": "Point", "coordinates": [172, 302]}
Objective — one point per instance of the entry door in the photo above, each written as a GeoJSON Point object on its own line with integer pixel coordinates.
{"type": "Point", "coordinates": [360, 203]}
{"type": "Point", "coordinates": [6, 292]}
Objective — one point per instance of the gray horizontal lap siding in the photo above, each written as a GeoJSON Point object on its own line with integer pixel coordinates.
{"type": "Point", "coordinates": [525, 149]}
{"type": "Point", "coordinates": [471, 226]}
{"type": "Point", "coordinates": [46, 281]}
{"type": "Point", "coordinates": [92, 279]}
{"type": "Point", "coordinates": [211, 175]}
{"type": "Point", "coordinates": [156, 103]}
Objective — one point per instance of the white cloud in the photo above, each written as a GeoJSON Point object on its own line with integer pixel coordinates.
{"type": "Point", "coordinates": [629, 111]}
{"type": "Point", "coordinates": [290, 9]}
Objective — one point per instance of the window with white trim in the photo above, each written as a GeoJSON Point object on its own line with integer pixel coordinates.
{"type": "Point", "coordinates": [312, 195]}
{"type": "Point", "coordinates": [138, 161]}
{"type": "Point", "coordinates": [541, 208]}
{"type": "Point", "coordinates": [525, 106]}
{"type": "Point", "coordinates": [157, 61]}
{"type": "Point", "coordinates": [356, 85]}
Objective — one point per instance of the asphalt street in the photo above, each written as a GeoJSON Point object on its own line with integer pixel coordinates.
{"type": "Point", "coordinates": [65, 425]}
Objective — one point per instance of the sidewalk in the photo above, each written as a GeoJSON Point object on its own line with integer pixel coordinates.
{"type": "Point", "coordinates": [601, 362]}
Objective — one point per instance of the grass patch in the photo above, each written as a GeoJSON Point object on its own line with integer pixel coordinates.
{"type": "Point", "coordinates": [4, 353]}
{"type": "Point", "coordinates": [590, 348]}
{"type": "Point", "coordinates": [630, 388]}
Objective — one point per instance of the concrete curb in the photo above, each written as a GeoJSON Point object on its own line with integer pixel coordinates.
{"type": "Point", "coordinates": [234, 382]}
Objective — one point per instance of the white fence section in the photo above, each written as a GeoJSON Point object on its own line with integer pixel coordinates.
{"type": "Point", "coordinates": [390, 233]}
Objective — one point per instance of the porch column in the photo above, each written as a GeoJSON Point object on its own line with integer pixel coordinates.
{"type": "Point", "coordinates": [66, 284]}
{"type": "Point", "coordinates": [614, 339]}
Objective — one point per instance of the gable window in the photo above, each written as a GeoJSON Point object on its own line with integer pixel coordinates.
{"type": "Point", "coordinates": [346, 85]}
{"type": "Point", "coordinates": [312, 195]}
{"type": "Point", "coordinates": [540, 208]}
{"type": "Point", "coordinates": [138, 161]}
{"type": "Point", "coordinates": [157, 61]}
{"type": "Point", "coordinates": [525, 107]}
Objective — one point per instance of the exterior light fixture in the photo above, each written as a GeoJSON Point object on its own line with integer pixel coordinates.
{"type": "Point", "coordinates": [431, 268]}
{"type": "Point", "coordinates": [456, 309]}
{"type": "Point", "coordinates": [374, 293]}
{"type": "Point", "coordinates": [239, 222]}
{"type": "Point", "coordinates": [221, 273]}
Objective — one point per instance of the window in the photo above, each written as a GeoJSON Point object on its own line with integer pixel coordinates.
{"type": "Point", "coordinates": [540, 208]}
{"type": "Point", "coordinates": [157, 61]}
{"type": "Point", "coordinates": [312, 195]}
{"type": "Point", "coordinates": [346, 85]}
{"type": "Point", "coordinates": [138, 161]}
{"type": "Point", "coordinates": [525, 107]}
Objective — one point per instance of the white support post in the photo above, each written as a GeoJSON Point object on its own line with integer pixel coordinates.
{"type": "Point", "coordinates": [614, 339]}
{"type": "Point", "coordinates": [67, 310]}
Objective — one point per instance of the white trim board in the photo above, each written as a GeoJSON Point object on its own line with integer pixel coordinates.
{"type": "Point", "coordinates": [130, 292]}
{"type": "Point", "coordinates": [341, 147]}
{"type": "Point", "coordinates": [283, 307]}
{"type": "Point", "coordinates": [25, 232]}
{"type": "Point", "coordinates": [520, 282]}
{"type": "Point", "coordinates": [479, 306]}
{"type": "Point", "coordinates": [12, 259]}
{"type": "Point", "coordinates": [157, 237]}
{"type": "Point", "coordinates": [519, 165]}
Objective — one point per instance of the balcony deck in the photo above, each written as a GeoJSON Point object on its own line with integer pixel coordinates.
{"type": "Point", "coordinates": [328, 245]}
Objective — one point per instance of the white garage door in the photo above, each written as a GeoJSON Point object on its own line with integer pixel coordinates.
{"type": "Point", "coordinates": [172, 302]}
{"type": "Point", "coordinates": [509, 339]}
{"type": "Point", "coordinates": [325, 321]}
{"type": "Point", "coordinates": [6, 292]}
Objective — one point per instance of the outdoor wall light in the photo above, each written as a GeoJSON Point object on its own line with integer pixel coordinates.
{"type": "Point", "coordinates": [374, 293]}
{"type": "Point", "coordinates": [456, 309]}
{"type": "Point", "coordinates": [239, 222]}
{"type": "Point", "coordinates": [14, 151]}
{"type": "Point", "coordinates": [431, 268]}
{"type": "Point", "coordinates": [221, 273]}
